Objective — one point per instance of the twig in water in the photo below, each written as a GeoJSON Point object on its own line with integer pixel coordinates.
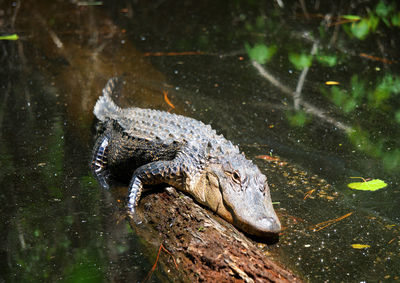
{"type": "Point", "coordinates": [57, 41]}
{"type": "Point", "coordinates": [325, 224]}
{"type": "Point", "coordinates": [304, 8]}
{"type": "Point", "coordinates": [167, 100]}
{"type": "Point", "coordinates": [308, 194]}
{"type": "Point", "coordinates": [280, 3]}
{"type": "Point", "coordinates": [155, 264]}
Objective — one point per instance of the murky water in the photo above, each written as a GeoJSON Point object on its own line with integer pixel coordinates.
{"type": "Point", "coordinates": [56, 221]}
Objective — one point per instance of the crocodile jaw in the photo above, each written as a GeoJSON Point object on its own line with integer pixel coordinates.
{"type": "Point", "coordinates": [205, 190]}
{"type": "Point", "coordinates": [252, 213]}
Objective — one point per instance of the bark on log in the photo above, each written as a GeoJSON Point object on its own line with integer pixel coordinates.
{"type": "Point", "coordinates": [205, 247]}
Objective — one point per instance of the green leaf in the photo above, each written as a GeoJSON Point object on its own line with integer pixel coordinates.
{"type": "Point", "coordinates": [349, 105]}
{"type": "Point", "coordinates": [387, 87]}
{"type": "Point", "coordinates": [373, 22]}
{"type": "Point", "coordinates": [351, 17]}
{"type": "Point", "coordinates": [300, 61]}
{"type": "Point", "coordinates": [36, 233]}
{"type": "Point", "coordinates": [386, 21]}
{"type": "Point", "coordinates": [360, 29]}
{"type": "Point", "coordinates": [9, 37]}
{"type": "Point", "coordinates": [260, 52]}
{"type": "Point", "coordinates": [382, 10]}
{"type": "Point", "coordinates": [357, 88]}
{"type": "Point", "coordinates": [338, 96]}
{"type": "Point", "coordinates": [372, 185]}
{"type": "Point", "coordinates": [327, 60]}
{"type": "Point", "coordinates": [396, 20]}
{"type": "Point", "coordinates": [362, 141]}
{"type": "Point", "coordinates": [342, 99]}
{"type": "Point", "coordinates": [297, 119]}
{"type": "Point", "coordinates": [347, 29]}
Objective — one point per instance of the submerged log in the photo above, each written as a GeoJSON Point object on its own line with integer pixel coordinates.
{"type": "Point", "coordinates": [205, 247]}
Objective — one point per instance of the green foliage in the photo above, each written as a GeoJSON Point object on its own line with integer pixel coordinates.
{"type": "Point", "coordinates": [297, 118]}
{"type": "Point", "coordinates": [357, 88]}
{"type": "Point", "coordinates": [362, 27]}
{"type": "Point", "coordinates": [300, 61]}
{"type": "Point", "coordinates": [372, 185]}
{"type": "Point", "coordinates": [347, 101]}
{"type": "Point", "coordinates": [85, 269]}
{"type": "Point", "coordinates": [342, 99]}
{"type": "Point", "coordinates": [363, 142]}
{"type": "Point", "coordinates": [351, 17]}
{"type": "Point", "coordinates": [383, 10]}
{"type": "Point", "coordinates": [327, 60]}
{"type": "Point", "coordinates": [373, 22]}
{"type": "Point", "coordinates": [386, 87]}
{"type": "Point", "coordinates": [260, 52]}
{"type": "Point", "coordinates": [396, 19]}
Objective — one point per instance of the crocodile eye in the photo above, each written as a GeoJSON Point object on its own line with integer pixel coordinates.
{"type": "Point", "coordinates": [236, 177]}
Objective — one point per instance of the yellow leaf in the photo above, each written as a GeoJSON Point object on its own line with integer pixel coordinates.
{"type": "Point", "coordinates": [371, 185]}
{"type": "Point", "coordinates": [360, 246]}
{"type": "Point", "coordinates": [9, 37]}
{"type": "Point", "coordinates": [331, 83]}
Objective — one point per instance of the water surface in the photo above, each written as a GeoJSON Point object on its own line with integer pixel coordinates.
{"type": "Point", "coordinates": [58, 224]}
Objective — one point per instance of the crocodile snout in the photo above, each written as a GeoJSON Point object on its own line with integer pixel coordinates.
{"type": "Point", "coordinates": [269, 224]}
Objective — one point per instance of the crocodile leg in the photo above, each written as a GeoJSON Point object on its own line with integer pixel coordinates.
{"type": "Point", "coordinates": [100, 161]}
{"type": "Point", "coordinates": [151, 174]}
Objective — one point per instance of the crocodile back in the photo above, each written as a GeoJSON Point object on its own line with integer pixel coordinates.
{"type": "Point", "coordinates": [154, 124]}
{"type": "Point", "coordinates": [164, 127]}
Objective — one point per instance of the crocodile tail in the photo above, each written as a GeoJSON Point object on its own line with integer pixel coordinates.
{"type": "Point", "coordinates": [105, 106]}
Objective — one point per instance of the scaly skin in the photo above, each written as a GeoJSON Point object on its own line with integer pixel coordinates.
{"type": "Point", "coordinates": [151, 147]}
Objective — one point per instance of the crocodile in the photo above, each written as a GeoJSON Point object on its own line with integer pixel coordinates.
{"type": "Point", "coordinates": [148, 147]}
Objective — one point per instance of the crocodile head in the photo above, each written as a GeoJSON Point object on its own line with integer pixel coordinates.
{"type": "Point", "coordinates": [239, 193]}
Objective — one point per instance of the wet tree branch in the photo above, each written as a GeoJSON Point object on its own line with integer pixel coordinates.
{"type": "Point", "coordinates": [14, 16]}
{"type": "Point", "coordinates": [309, 108]}
{"type": "Point", "coordinates": [300, 83]}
